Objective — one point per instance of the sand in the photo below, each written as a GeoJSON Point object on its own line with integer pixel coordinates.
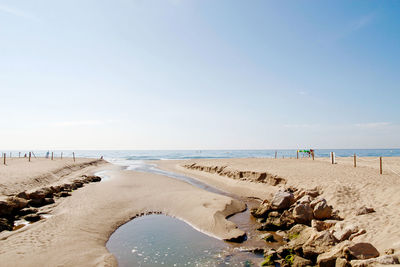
{"type": "Point", "coordinates": [80, 225]}
{"type": "Point", "coordinates": [345, 187]}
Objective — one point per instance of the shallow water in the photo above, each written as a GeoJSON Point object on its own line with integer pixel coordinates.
{"type": "Point", "coordinates": [158, 240]}
{"type": "Point", "coordinates": [150, 235]}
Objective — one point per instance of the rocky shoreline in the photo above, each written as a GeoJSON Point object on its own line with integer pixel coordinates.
{"type": "Point", "coordinates": [27, 205]}
{"type": "Point", "coordinates": [314, 232]}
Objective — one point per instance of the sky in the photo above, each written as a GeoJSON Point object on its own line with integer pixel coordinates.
{"type": "Point", "coordinates": [175, 74]}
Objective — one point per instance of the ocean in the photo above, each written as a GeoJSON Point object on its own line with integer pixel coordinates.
{"type": "Point", "coordinates": [199, 154]}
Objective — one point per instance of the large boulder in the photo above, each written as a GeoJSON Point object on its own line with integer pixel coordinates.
{"type": "Point", "coordinates": [322, 210]}
{"type": "Point", "coordinates": [303, 213]}
{"type": "Point", "coordinates": [360, 251]}
{"type": "Point", "coordinates": [282, 200]}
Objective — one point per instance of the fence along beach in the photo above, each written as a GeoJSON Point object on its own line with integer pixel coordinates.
{"type": "Point", "coordinates": [128, 194]}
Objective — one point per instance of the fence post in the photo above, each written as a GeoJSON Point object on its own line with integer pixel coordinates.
{"type": "Point", "coordinates": [52, 155]}
{"type": "Point", "coordinates": [313, 155]}
{"type": "Point", "coordinates": [380, 164]}
{"type": "Point", "coordinates": [29, 156]}
{"type": "Point", "coordinates": [73, 155]}
{"type": "Point", "coordinates": [297, 154]}
{"type": "Point", "coordinates": [4, 158]}
{"type": "Point", "coordinates": [332, 157]}
{"type": "Point", "coordinates": [355, 160]}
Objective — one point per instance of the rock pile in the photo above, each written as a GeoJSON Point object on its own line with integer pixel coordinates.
{"type": "Point", "coordinates": [24, 205]}
{"type": "Point", "coordinates": [314, 232]}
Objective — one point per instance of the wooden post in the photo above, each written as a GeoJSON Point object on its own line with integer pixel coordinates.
{"type": "Point", "coordinates": [61, 155]}
{"type": "Point", "coordinates": [355, 160]}
{"type": "Point", "coordinates": [73, 155]}
{"type": "Point", "coordinates": [276, 153]}
{"type": "Point", "coordinates": [313, 155]}
{"type": "Point", "coordinates": [380, 164]}
{"type": "Point", "coordinates": [29, 156]}
{"type": "Point", "coordinates": [297, 154]}
{"type": "Point", "coordinates": [332, 157]}
{"type": "Point", "coordinates": [52, 155]}
{"type": "Point", "coordinates": [4, 158]}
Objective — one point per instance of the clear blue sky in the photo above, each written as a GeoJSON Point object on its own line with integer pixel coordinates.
{"type": "Point", "coordinates": [126, 74]}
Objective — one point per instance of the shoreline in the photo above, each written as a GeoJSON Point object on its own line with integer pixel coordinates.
{"type": "Point", "coordinates": [81, 224]}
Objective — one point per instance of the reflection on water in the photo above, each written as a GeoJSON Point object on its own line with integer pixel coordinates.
{"type": "Point", "coordinates": [158, 240]}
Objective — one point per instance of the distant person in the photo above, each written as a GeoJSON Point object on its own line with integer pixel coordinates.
{"type": "Point", "coordinates": [47, 154]}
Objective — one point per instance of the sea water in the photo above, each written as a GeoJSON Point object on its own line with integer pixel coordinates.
{"type": "Point", "coordinates": [199, 154]}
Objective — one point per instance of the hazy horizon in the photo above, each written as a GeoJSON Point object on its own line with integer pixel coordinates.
{"type": "Point", "coordinates": [199, 75]}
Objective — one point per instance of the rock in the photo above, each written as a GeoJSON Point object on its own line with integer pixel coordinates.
{"type": "Point", "coordinates": [301, 262]}
{"type": "Point", "coordinates": [286, 220]}
{"type": "Point", "coordinates": [48, 201]}
{"type": "Point", "coordinates": [40, 202]}
{"type": "Point", "coordinates": [282, 200]}
{"type": "Point", "coordinates": [383, 260]}
{"type": "Point", "coordinates": [360, 251]}
{"type": "Point", "coordinates": [312, 192]}
{"type": "Point", "coordinates": [322, 225]}
{"type": "Point", "coordinates": [330, 257]}
{"type": "Point", "coordinates": [299, 237]}
{"type": "Point", "coordinates": [364, 210]}
{"type": "Point", "coordinates": [274, 214]}
{"type": "Point", "coordinates": [360, 232]}
{"type": "Point", "coordinates": [5, 208]}
{"type": "Point", "coordinates": [341, 262]}
{"type": "Point", "coordinates": [55, 189]}
{"type": "Point", "coordinates": [17, 203]}
{"type": "Point", "coordinates": [77, 183]}
{"type": "Point", "coordinates": [27, 211]}
{"type": "Point", "coordinates": [304, 200]}
{"type": "Point", "coordinates": [38, 194]}
{"type": "Point", "coordinates": [262, 211]}
{"type": "Point", "coordinates": [316, 201]}
{"type": "Point", "coordinates": [93, 178]}
{"type": "Point", "coordinates": [319, 243]}
{"type": "Point", "coordinates": [23, 195]}
{"type": "Point", "coordinates": [268, 237]}
{"type": "Point", "coordinates": [32, 217]}
{"type": "Point", "coordinates": [303, 213]}
{"type": "Point", "coordinates": [5, 225]}
{"type": "Point", "coordinates": [295, 231]}
{"type": "Point", "coordinates": [64, 194]}
{"type": "Point", "coordinates": [322, 210]}
{"type": "Point", "coordinates": [268, 261]}
{"type": "Point", "coordinates": [389, 251]}
{"type": "Point", "coordinates": [342, 232]}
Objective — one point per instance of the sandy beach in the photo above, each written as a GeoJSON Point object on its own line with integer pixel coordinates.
{"type": "Point", "coordinates": [79, 226]}
{"type": "Point", "coordinates": [76, 228]}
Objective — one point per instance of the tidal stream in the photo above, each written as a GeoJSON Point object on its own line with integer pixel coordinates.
{"type": "Point", "coordinates": [156, 240]}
